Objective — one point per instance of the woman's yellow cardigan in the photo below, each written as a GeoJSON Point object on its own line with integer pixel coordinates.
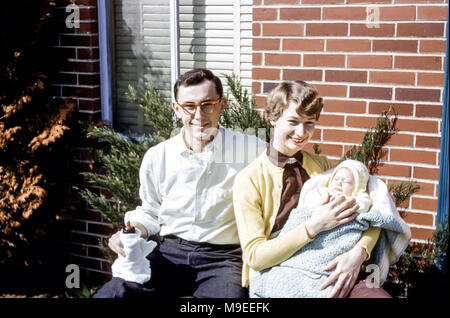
{"type": "Point", "coordinates": [256, 198]}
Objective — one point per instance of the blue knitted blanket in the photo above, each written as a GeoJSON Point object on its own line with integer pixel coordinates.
{"type": "Point", "coordinates": [302, 274]}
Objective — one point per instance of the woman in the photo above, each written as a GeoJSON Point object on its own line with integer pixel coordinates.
{"type": "Point", "coordinates": [268, 189]}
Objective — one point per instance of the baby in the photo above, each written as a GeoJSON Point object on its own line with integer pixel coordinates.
{"type": "Point", "coordinates": [302, 274]}
{"type": "Point", "coordinates": [349, 178]}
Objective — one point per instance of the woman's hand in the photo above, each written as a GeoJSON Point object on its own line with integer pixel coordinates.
{"type": "Point", "coordinates": [336, 212]}
{"type": "Point", "coordinates": [348, 266]}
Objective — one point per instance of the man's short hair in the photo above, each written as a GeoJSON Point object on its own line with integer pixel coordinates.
{"type": "Point", "coordinates": [197, 76]}
{"type": "Point", "coordinates": [307, 98]}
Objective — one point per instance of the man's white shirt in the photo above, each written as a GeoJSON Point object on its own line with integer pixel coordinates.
{"type": "Point", "coordinates": [189, 194]}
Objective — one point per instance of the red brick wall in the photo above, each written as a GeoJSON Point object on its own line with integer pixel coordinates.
{"type": "Point", "coordinates": [360, 71]}
{"type": "Point", "coordinates": [80, 80]}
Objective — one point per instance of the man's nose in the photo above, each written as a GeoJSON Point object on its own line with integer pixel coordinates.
{"type": "Point", "coordinates": [198, 112]}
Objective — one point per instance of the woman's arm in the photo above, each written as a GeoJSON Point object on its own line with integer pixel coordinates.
{"type": "Point", "coordinates": [253, 225]}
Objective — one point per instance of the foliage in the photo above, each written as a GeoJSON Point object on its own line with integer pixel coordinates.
{"type": "Point", "coordinates": [82, 292]}
{"type": "Point", "coordinates": [32, 123]}
{"type": "Point", "coordinates": [371, 150]}
{"type": "Point", "coordinates": [422, 270]}
{"type": "Point", "coordinates": [241, 110]}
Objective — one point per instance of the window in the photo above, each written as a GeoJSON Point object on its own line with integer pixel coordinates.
{"type": "Point", "coordinates": [214, 34]}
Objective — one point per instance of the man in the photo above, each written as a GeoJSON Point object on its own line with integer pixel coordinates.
{"type": "Point", "coordinates": [186, 193]}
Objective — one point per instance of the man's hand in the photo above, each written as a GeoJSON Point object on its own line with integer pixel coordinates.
{"type": "Point", "coordinates": [348, 266]}
{"type": "Point", "coordinates": [115, 244]}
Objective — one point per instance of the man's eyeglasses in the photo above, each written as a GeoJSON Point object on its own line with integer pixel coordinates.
{"type": "Point", "coordinates": [206, 107]}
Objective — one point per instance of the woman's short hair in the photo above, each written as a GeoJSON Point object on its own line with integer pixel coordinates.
{"type": "Point", "coordinates": [307, 98]}
{"type": "Point", "coordinates": [197, 76]}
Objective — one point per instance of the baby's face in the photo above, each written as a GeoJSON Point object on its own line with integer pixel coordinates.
{"type": "Point", "coordinates": [343, 182]}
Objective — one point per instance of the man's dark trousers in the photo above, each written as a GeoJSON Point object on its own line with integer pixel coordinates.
{"type": "Point", "coordinates": [183, 268]}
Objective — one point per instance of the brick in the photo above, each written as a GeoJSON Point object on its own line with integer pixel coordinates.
{"type": "Point", "coordinates": [384, 30]}
{"type": "Point", "coordinates": [409, 46]}
{"type": "Point", "coordinates": [256, 87]}
{"type": "Point", "coordinates": [85, 239]}
{"type": "Point", "coordinates": [88, 13]}
{"type": "Point", "coordinates": [323, 60]}
{"type": "Point", "coordinates": [78, 40]}
{"type": "Point", "coordinates": [418, 218]}
{"type": "Point", "coordinates": [331, 120]}
{"type": "Point", "coordinates": [434, 111]}
{"type": "Point", "coordinates": [368, 1]}
{"type": "Point", "coordinates": [282, 29]}
{"type": "Point", "coordinates": [105, 229]}
{"type": "Point", "coordinates": [430, 79]}
{"type": "Point", "coordinates": [343, 135]}
{"type": "Point", "coordinates": [331, 150]}
{"type": "Point", "coordinates": [418, 156]}
{"type": "Point", "coordinates": [89, 79]}
{"type": "Point", "coordinates": [426, 126]}
{"type": "Point", "coordinates": [380, 77]}
{"type": "Point", "coordinates": [420, 29]}
{"type": "Point", "coordinates": [87, 53]}
{"type": "Point", "coordinates": [256, 58]}
{"type": "Point", "coordinates": [432, 46]}
{"type": "Point", "coordinates": [256, 29]}
{"type": "Point", "coordinates": [387, 169]}
{"type": "Point", "coordinates": [426, 188]}
{"type": "Point", "coordinates": [87, 28]}
{"type": "Point", "coordinates": [421, 233]}
{"type": "Point", "coordinates": [260, 101]}
{"type": "Point", "coordinates": [272, 2]}
{"type": "Point", "coordinates": [302, 74]}
{"type": "Point", "coordinates": [344, 13]}
{"type": "Point", "coordinates": [257, 2]}
{"type": "Point", "coordinates": [344, 106]}
{"type": "Point", "coordinates": [348, 45]}
{"type": "Point", "coordinates": [428, 142]}
{"type": "Point", "coordinates": [417, 1]}
{"type": "Point", "coordinates": [303, 45]}
{"type": "Point", "coordinates": [266, 74]}
{"type": "Point", "coordinates": [86, 262]}
{"type": "Point", "coordinates": [92, 105]}
{"type": "Point", "coordinates": [401, 109]}
{"type": "Point", "coordinates": [346, 76]}
{"type": "Point", "coordinates": [65, 78]}
{"type": "Point", "coordinates": [264, 14]}
{"type": "Point", "coordinates": [326, 29]}
{"type": "Point", "coordinates": [424, 204]}
{"type": "Point", "coordinates": [418, 62]}
{"type": "Point", "coordinates": [300, 14]}
{"type": "Point", "coordinates": [86, 92]}
{"type": "Point", "coordinates": [321, 2]}
{"type": "Point", "coordinates": [84, 67]}
{"type": "Point", "coordinates": [360, 122]}
{"type": "Point", "coordinates": [370, 61]}
{"type": "Point", "coordinates": [331, 90]}
{"type": "Point", "coordinates": [371, 92]}
{"type": "Point", "coordinates": [266, 44]}
{"type": "Point", "coordinates": [432, 13]}
{"type": "Point", "coordinates": [426, 173]}
{"type": "Point", "coordinates": [399, 13]}
{"type": "Point", "coordinates": [282, 59]}
{"type": "Point", "coordinates": [417, 94]}
{"type": "Point", "coordinates": [403, 140]}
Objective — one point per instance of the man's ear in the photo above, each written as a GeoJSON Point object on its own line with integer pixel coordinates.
{"type": "Point", "coordinates": [223, 105]}
{"type": "Point", "coordinates": [176, 109]}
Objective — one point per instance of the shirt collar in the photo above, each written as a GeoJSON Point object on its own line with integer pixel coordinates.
{"type": "Point", "coordinates": [213, 146]}
{"type": "Point", "coordinates": [281, 160]}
